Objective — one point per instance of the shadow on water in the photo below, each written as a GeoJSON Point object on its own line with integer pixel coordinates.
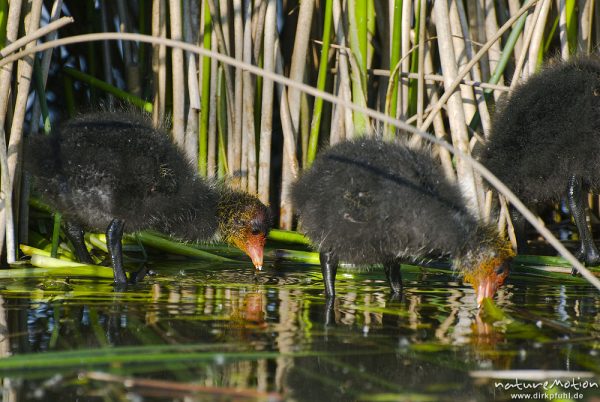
{"type": "Point", "coordinates": [210, 332]}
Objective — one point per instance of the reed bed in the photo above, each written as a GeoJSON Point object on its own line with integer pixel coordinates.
{"type": "Point", "coordinates": [437, 66]}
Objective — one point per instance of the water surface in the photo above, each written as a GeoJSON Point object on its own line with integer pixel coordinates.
{"type": "Point", "coordinates": [199, 331]}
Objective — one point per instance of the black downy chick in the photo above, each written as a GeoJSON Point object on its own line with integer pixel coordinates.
{"type": "Point", "coordinates": [114, 171]}
{"type": "Point", "coordinates": [545, 142]}
{"type": "Point", "coordinates": [367, 201]}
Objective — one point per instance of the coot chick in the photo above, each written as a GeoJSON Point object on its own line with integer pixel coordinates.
{"type": "Point", "coordinates": [367, 201]}
{"type": "Point", "coordinates": [544, 141]}
{"type": "Point", "coordinates": [114, 171]}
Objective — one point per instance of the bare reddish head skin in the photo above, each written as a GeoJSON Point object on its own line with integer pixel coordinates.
{"type": "Point", "coordinates": [489, 284]}
{"type": "Point", "coordinates": [489, 276]}
{"type": "Point", "coordinates": [487, 270]}
{"type": "Point", "coordinates": [244, 221]}
{"type": "Point", "coordinates": [253, 245]}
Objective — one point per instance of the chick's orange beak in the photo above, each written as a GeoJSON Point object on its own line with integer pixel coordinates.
{"type": "Point", "coordinates": [487, 285]}
{"type": "Point", "coordinates": [253, 246]}
{"type": "Point", "coordinates": [487, 288]}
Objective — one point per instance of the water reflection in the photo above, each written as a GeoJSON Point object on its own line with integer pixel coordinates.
{"type": "Point", "coordinates": [274, 334]}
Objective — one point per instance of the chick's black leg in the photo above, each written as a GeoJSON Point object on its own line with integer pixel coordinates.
{"type": "Point", "coordinates": [576, 198]}
{"type": "Point", "coordinates": [75, 234]}
{"type": "Point", "coordinates": [329, 264]}
{"type": "Point", "coordinates": [392, 273]}
{"type": "Point", "coordinates": [114, 235]}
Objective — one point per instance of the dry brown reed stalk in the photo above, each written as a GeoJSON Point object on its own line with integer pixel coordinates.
{"type": "Point", "coordinates": [471, 105]}
{"type": "Point", "coordinates": [586, 13]}
{"type": "Point", "coordinates": [537, 38]}
{"type": "Point", "coordinates": [521, 72]}
{"type": "Point", "coordinates": [25, 76]}
{"type": "Point", "coordinates": [407, 8]}
{"type": "Point", "coordinates": [223, 22]}
{"type": "Point", "coordinates": [266, 120]}
{"type": "Point", "coordinates": [289, 168]}
{"type": "Point", "coordinates": [258, 26]}
{"type": "Point", "coordinates": [438, 123]}
{"type": "Point", "coordinates": [342, 125]}
{"type": "Point", "coordinates": [159, 66]}
{"type": "Point", "coordinates": [477, 76]}
{"type": "Point", "coordinates": [457, 120]}
{"type": "Point", "coordinates": [6, 204]}
{"type": "Point", "coordinates": [491, 27]}
{"type": "Point", "coordinates": [292, 104]}
{"type": "Point", "coordinates": [461, 56]}
{"type": "Point", "coordinates": [421, 63]}
{"type": "Point", "coordinates": [193, 84]}
{"type": "Point", "coordinates": [235, 162]}
{"type": "Point", "coordinates": [221, 28]}
{"type": "Point", "coordinates": [6, 210]}
{"type": "Point", "coordinates": [249, 180]}
{"type": "Point", "coordinates": [299, 55]}
{"type": "Point", "coordinates": [449, 90]}
{"type": "Point", "coordinates": [178, 75]}
{"type": "Point", "coordinates": [212, 117]}
{"type": "Point", "coordinates": [51, 30]}
{"type": "Point", "coordinates": [12, 28]}
{"type": "Point", "coordinates": [562, 29]}
{"type": "Point", "coordinates": [46, 58]}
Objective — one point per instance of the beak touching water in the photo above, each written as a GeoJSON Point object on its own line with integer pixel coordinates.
{"type": "Point", "coordinates": [486, 288]}
{"type": "Point", "coordinates": [488, 283]}
{"type": "Point", "coordinates": [254, 245]}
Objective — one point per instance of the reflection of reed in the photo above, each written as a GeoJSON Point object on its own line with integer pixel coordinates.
{"type": "Point", "coordinates": [443, 333]}
{"type": "Point", "coordinates": [4, 339]}
{"type": "Point", "coordinates": [9, 392]}
{"type": "Point", "coordinates": [372, 319]}
{"type": "Point", "coordinates": [237, 315]}
{"type": "Point", "coordinates": [347, 309]}
{"type": "Point", "coordinates": [357, 309]}
{"type": "Point", "coordinates": [189, 298]}
{"type": "Point", "coordinates": [287, 329]}
{"type": "Point", "coordinates": [174, 299]}
{"type": "Point", "coordinates": [413, 311]}
{"type": "Point", "coordinates": [152, 314]}
{"type": "Point", "coordinates": [209, 294]}
{"type": "Point", "coordinates": [274, 338]}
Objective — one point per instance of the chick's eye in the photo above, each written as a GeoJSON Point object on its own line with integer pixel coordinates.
{"type": "Point", "coordinates": [255, 232]}
{"type": "Point", "coordinates": [502, 269]}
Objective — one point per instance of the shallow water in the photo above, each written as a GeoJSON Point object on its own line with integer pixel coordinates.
{"type": "Point", "coordinates": [214, 332]}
